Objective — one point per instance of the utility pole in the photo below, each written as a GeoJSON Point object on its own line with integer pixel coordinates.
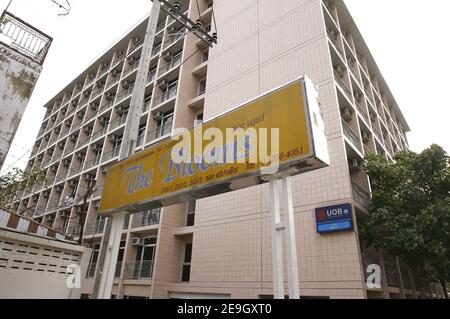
{"type": "Point", "coordinates": [109, 251]}
{"type": "Point", "coordinates": [84, 208]}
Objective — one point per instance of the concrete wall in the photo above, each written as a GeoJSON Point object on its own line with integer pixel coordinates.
{"type": "Point", "coordinates": [18, 77]}
{"type": "Point", "coordinates": [35, 268]}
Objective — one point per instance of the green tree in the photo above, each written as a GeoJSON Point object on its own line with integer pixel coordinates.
{"type": "Point", "coordinates": [18, 180]}
{"type": "Point", "coordinates": [410, 210]}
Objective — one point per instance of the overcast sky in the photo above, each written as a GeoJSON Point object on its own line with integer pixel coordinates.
{"type": "Point", "coordinates": [409, 40]}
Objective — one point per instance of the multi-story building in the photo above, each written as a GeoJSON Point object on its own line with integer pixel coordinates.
{"type": "Point", "coordinates": [221, 246]}
{"type": "Point", "coordinates": [23, 50]}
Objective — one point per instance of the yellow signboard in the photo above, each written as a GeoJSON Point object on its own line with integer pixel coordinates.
{"type": "Point", "coordinates": [282, 127]}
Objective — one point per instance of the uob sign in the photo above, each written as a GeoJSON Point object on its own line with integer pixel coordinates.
{"type": "Point", "coordinates": [334, 218]}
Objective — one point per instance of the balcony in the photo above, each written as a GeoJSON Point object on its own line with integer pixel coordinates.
{"type": "Point", "coordinates": [99, 133]}
{"type": "Point", "coordinates": [122, 95]}
{"type": "Point", "coordinates": [83, 142]}
{"type": "Point", "coordinates": [69, 149]}
{"type": "Point", "coordinates": [92, 163]}
{"type": "Point", "coordinates": [333, 36]}
{"type": "Point", "coordinates": [151, 76]}
{"type": "Point", "coordinates": [76, 170]}
{"type": "Point", "coordinates": [171, 65]}
{"type": "Point", "coordinates": [96, 92]}
{"type": "Point", "coordinates": [171, 39]}
{"type": "Point", "coordinates": [354, 139]}
{"type": "Point", "coordinates": [146, 105]}
{"type": "Point", "coordinates": [111, 155]}
{"type": "Point", "coordinates": [138, 270]}
{"type": "Point", "coordinates": [131, 69]}
{"type": "Point", "coordinates": [95, 228]}
{"type": "Point", "coordinates": [362, 111]}
{"type": "Point", "coordinates": [343, 86]}
{"type": "Point", "coordinates": [392, 275]}
{"type": "Point", "coordinates": [118, 122]}
{"type": "Point", "coordinates": [25, 39]}
{"type": "Point", "coordinates": [167, 95]}
{"type": "Point", "coordinates": [145, 219]}
{"type": "Point", "coordinates": [361, 196]}
{"type": "Point", "coordinates": [156, 50]}
{"type": "Point", "coordinates": [61, 177]}
{"type": "Point", "coordinates": [103, 71]}
{"type": "Point", "coordinates": [160, 131]}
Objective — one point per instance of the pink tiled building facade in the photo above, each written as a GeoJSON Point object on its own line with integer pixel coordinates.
{"type": "Point", "coordinates": [220, 247]}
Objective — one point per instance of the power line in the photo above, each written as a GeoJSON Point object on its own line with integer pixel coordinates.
{"type": "Point", "coordinates": [17, 161]}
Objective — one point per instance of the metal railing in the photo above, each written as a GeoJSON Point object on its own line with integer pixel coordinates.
{"type": "Point", "coordinates": [361, 110]}
{"type": "Point", "coordinates": [151, 76]}
{"type": "Point", "coordinates": [76, 170]}
{"type": "Point", "coordinates": [124, 94]}
{"type": "Point", "coordinates": [160, 131]}
{"type": "Point", "coordinates": [156, 50]}
{"type": "Point", "coordinates": [392, 275]}
{"type": "Point", "coordinates": [146, 219]}
{"type": "Point", "coordinates": [83, 142]}
{"type": "Point", "coordinates": [171, 65]}
{"type": "Point", "coordinates": [95, 228]}
{"type": "Point", "coordinates": [61, 177]}
{"type": "Point", "coordinates": [99, 133]}
{"type": "Point", "coordinates": [138, 269]}
{"type": "Point", "coordinates": [171, 39]}
{"type": "Point", "coordinates": [343, 86]}
{"type": "Point", "coordinates": [93, 162]}
{"type": "Point", "coordinates": [348, 132]}
{"type": "Point", "coordinates": [361, 196]}
{"type": "Point", "coordinates": [167, 95]}
{"type": "Point", "coordinates": [24, 38]}
{"type": "Point", "coordinates": [69, 149]}
{"type": "Point", "coordinates": [132, 68]}
{"type": "Point", "coordinates": [110, 155]}
{"type": "Point", "coordinates": [118, 122]}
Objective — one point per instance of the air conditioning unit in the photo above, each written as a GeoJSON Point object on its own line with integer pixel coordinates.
{"type": "Point", "coordinates": [80, 156]}
{"type": "Point", "coordinates": [68, 123]}
{"type": "Point", "coordinates": [114, 138]}
{"type": "Point", "coordinates": [163, 84]}
{"type": "Point", "coordinates": [86, 93]}
{"type": "Point", "coordinates": [89, 177]}
{"type": "Point", "coordinates": [87, 129]}
{"type": "Point", "coordinates": [80, 115]}
{"type": "Point", "coordinates": [94, 106]}
{"type": "Point", "coordinates": [131, 59]}
{"type": "Point", "coordinates": [64, 214]}
{"type": "Point", "coordinates": [72, 183]}
{"type": "Point", "coordinates": [357, 95]}
{"type": "Point", "coordinates": [136, 242]}
{"type": "Point", "coordinates": [66, 162]}
{"type": "Point", "coordinates": [54, 118]}
{"type": "Point", "coordinates": [103, 121]}
{"type": "Point", "coordinates": [74, 138]}
{"type": "Point", "coordinates": [51, 218]}
{"type": "Point", "coordinates": [122, 109]}
{"type": "Point", "coordinates": [339, 70]}
{"type": "Point", "coordinates": [64, 111]}
{"type": "Point", "coordinates": [104, 65]}
{"type": "Point", "coordinates": [157, 116]}
{"type": "Point", "coordinates": [109, 95]}
{"type": "Point", "coordinates": [168, 56]}
{"type": "Point", "coordinates": [354, 165]}
{"type": "Point", "coordinates": [126, 84]}
{"type": "Point", "coordinates": [365, 137]}
{"type": "Point", "coordinates": [54, 169]}
{"type": "Point", "coordinates": [105, 169]}
{"type": "Point", "coordinates": [347, 114]}
{"type": "Point", "coordinates": [115, 73]}
{"type": "Point", "coordinates": [119, 53]}
{"type": "Point", "coordinates": [74, 102]}
{"type": "Point", "coordinates": [97, 147]}
{"type": "Point", "coordinates": [34, 198]}
{"type": "Point", "coordinates": [58, 189]}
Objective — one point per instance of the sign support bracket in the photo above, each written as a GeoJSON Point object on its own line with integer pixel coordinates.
{"type": "Point", "coordinates": [277, 240]}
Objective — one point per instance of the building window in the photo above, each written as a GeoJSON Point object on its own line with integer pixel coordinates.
{"type": "Point", "coordinates": [93, 262]}
{"type": "Point", "coordinates": [190, 220]}
{"type": "Point", "coordinates": [198, 120]}
{"type": "Point", "coordinates": [165, 124]}
{"type": "Point", "coordinates": [120, 259]}
{"type": "Point", "coordinates": [144, 258]}
{"type": "Point", "coordinates": [202, 87]}
{"type": "Point", "coordinates": [186, 270]}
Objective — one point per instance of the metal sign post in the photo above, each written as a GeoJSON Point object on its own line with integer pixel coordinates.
{"type": "Point", "coordinates": [277, 240]}
{"type": "Point", "coordinates": [111, 239]}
